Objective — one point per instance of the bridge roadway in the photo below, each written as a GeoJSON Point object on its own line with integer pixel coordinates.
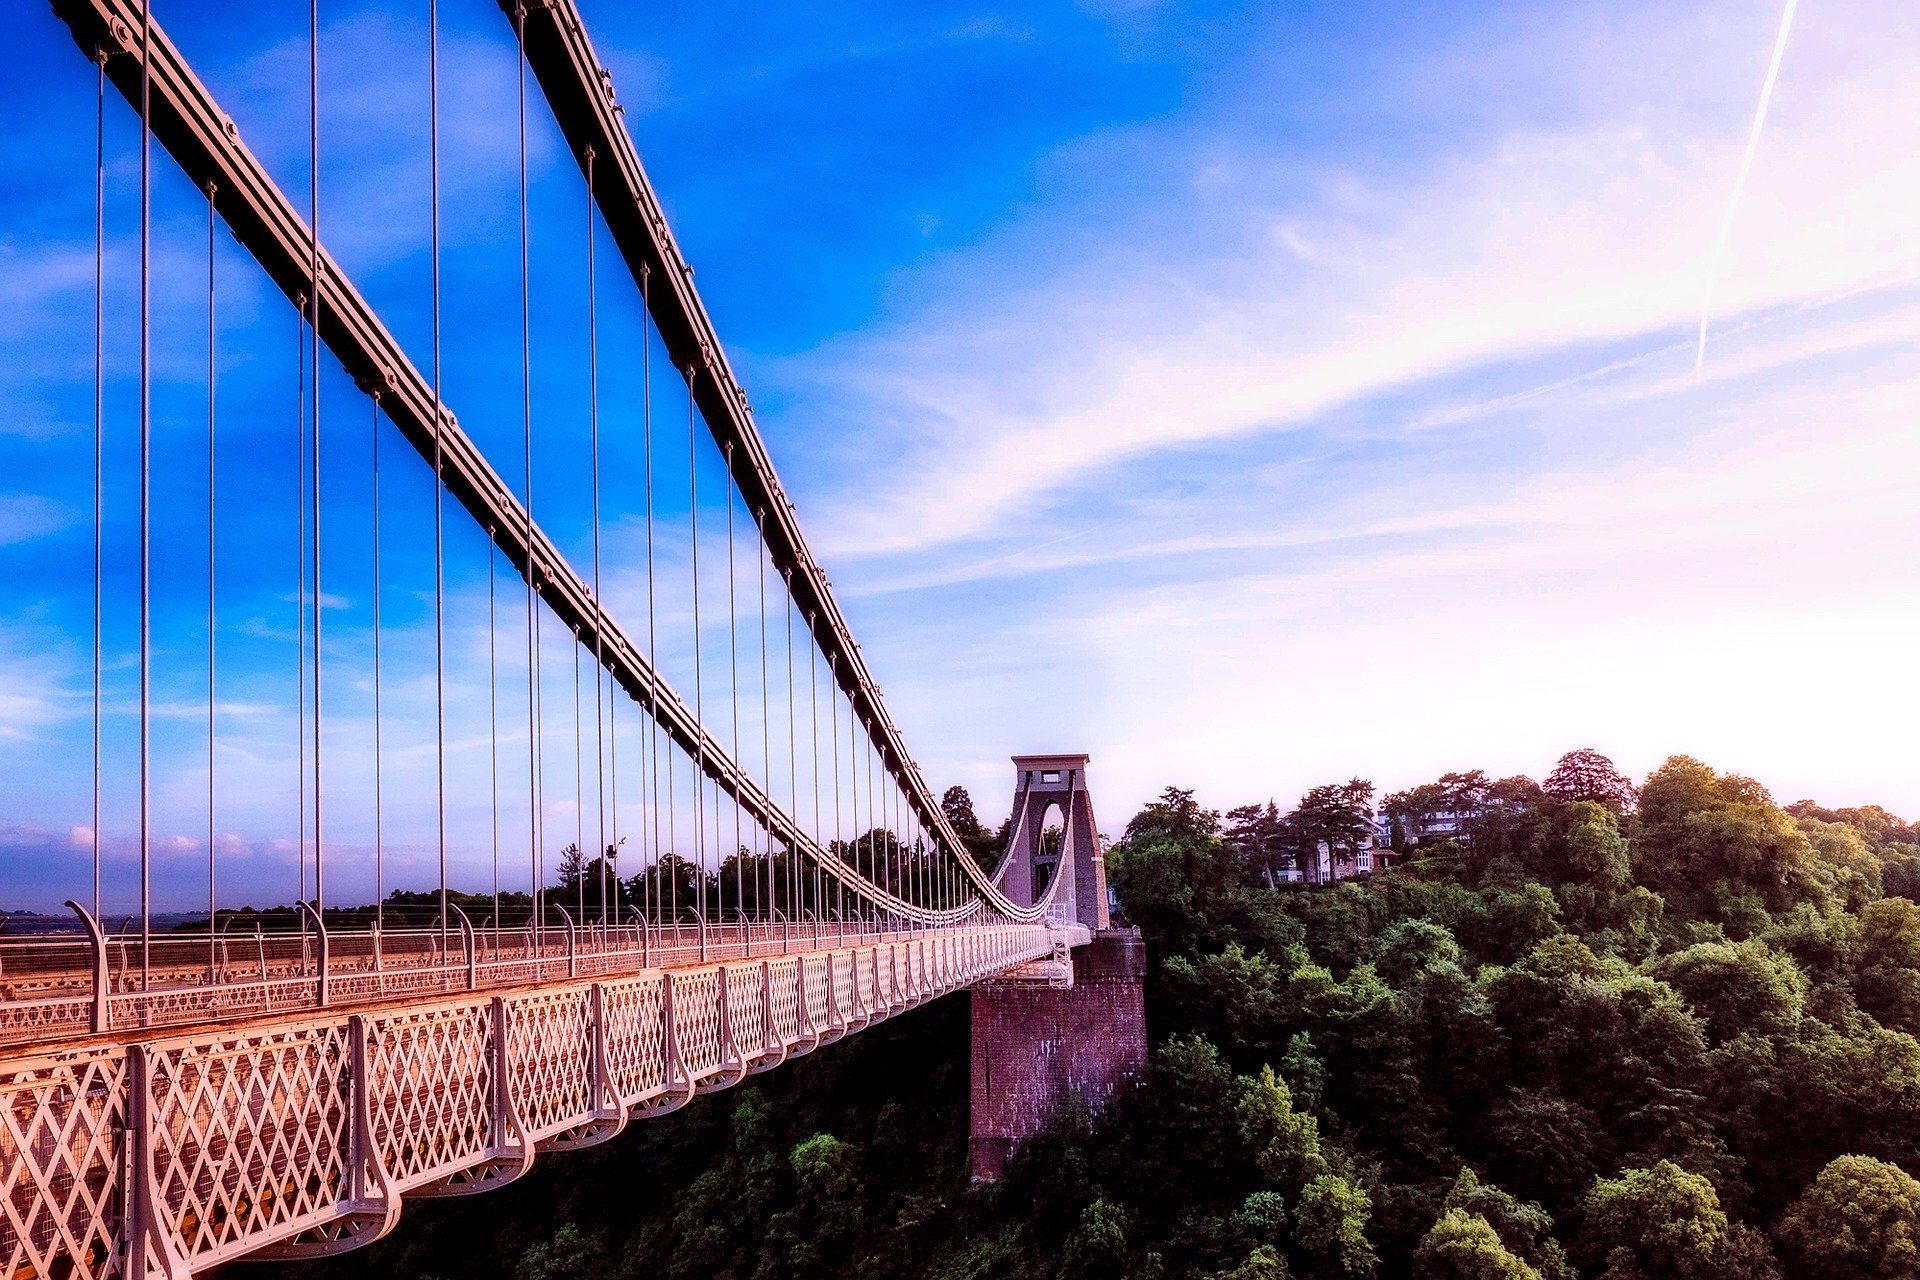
{"type": "Point", "coordinates": [294, 1129]}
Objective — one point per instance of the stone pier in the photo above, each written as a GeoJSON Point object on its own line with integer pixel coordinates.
{"type": "Point", "coordinates": [1035, 1047]}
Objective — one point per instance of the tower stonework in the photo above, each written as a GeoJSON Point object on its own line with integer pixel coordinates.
{"type": "Point", "coordinates": [1039, 1042]}
{"type": "Point", "coordinates": [1042, 786]}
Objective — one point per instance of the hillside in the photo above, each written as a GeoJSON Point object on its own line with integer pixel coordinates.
{"type": "Point", "coordinates": [1659, 1034]}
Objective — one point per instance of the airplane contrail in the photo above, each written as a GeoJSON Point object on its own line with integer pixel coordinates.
{"type": "Point", "coordinates": [1740, 183]}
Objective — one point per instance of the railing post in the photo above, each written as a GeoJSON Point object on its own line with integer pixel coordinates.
{"type": "Point", "coordinates": [769, 1035]}
{"type": "Point", "coordinates": [320, 929]}
{"type": "Point", "coordinates": [498, 1121]}
{"type": "Point", "coordinates": [467, 944]}
{"type": "Point", "coordinates": [360, 1128]}
{"type": "Point", "coordinates": [96, 939]}
{"type": "Point", "coordinates": [803, 1016]}
{"type": "Point", "coordinates": [640, 923]}
{"type": "Point", "coordinates": [151, 1245]}
{"type": "Point", "coordinates": [833, 996]}
{"type": "Point", "coordinates": [266, 988]}
{"type": "Point", "coordinates": [573, 958]}
{"type": "Point", "coordinates": [667, 1042]}
{"type": "Point", "coordinates": [602, 1077]}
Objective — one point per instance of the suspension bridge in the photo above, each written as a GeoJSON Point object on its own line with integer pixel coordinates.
{"type": "Point", "coordinates": [672, 840]}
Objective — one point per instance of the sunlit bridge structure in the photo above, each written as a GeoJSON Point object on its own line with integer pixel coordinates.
{"type": "Point", "coordinates": [579, 798]}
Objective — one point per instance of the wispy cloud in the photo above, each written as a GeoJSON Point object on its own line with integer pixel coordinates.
{"type": "Point", "coordinates": [1740, 179]}
{"type": "Point", "coordinates": [1250, 313]}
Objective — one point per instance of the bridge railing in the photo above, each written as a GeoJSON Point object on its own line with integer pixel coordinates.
{"type": "Point", "coordinates": [50, 987]}
{"type": "Point", "coordinates": [299, 1135]}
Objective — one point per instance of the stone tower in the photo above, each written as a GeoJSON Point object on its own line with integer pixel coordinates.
{"type": "Point", "coordinates": [1054, 1031]}
{"type": "Point", "coordinates": [1045, 786]}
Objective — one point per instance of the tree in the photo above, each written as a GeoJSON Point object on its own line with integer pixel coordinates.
{"type": "Point", "coordinates": [1413, 947]}
{"type": "Point", "coordinates": [573, 867]}
{"type": "Point", "coordinates": [570, 1255]}
{"type": "Point", "coordinates": [1523, 1227]}
{"type": "Point", "coordinates": [1664, 1223]}
{"type": "Point", "coordinates": [1888, 980]}
{"type": "Point", "coordinates": [1283, 1142]}
{"type": "Point", "coordinates": [1463, 1246]}
{"type": "Point", "coordinates": [1258, 834]}
{"type": "Point", "coordinates": [1718, 846]}
{"type": "Point", "coordinates": [828, 1206]}
{"type": "Point", "coordinates": [958, 806]}
{"type": "Point", "coordinates": [1466, 793]}
{"type": "Point", "coordinates": [1177, 815]}
{"type": "Point", "coordinates": [1337, 816]}
{"type": "Point", "coordinates": [1263, 1262]}
{"type": "Point", "coordinates": [1587, 775]}
{"type": "Point", "coordinates": [1858, 1220]}
{"type": "Point", "coordinates": [1097, 1248]}
{"type": "Point", "coordinates": [1407, 811]}
{"type": "Point", "coordinates": [1737, 987]}
{"type": "Point", "coordinates": [1596, 853]}
{"type": "Point", "coordinates": [1332, 1225]}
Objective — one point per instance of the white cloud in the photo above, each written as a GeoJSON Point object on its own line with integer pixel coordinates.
{"type": "Point", "coordinates": [1261, 311]}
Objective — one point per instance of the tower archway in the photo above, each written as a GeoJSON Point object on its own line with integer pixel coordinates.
{"type": "Point", "coordinates": [1044, 786]}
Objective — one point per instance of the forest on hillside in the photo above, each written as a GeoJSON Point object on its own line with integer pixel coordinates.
{"type": "Point", "coordinates": [1593, 1030]}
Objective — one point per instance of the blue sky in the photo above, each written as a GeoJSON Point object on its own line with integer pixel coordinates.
{"type": "Point", "coordinates": [1248, 396]}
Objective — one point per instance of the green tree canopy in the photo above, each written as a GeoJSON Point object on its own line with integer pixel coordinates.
{"type": "Point", "coordinates": [1331, 1225]}
{"type": "Point", "coordinates": [1664, 1223]}
{"type": "Point", "coordinates": [1859, 1220]}
{"type": "Point", "coordinates": [1464, 1246]}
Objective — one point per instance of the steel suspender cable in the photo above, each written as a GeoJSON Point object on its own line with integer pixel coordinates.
{"type": "Point", "coordinates": [536, 853]}
{"type": "Point", "coordinates": [99, 425]}
{"type": "Point", "coordinates": [699, 694]}
{"type": "Point", "coordinates": [813, 772]}
{"type": "Point", "coordinates": [493, 725]}
{"type": "Point", "coordinates": [313, 128]}
{"type": "Point", "coordinates": [300, 586]}
{"type": "Point", "coordinates": [579, 802]}
{"type": "Point", "coordinates": [790, 846]}
{"type": "Point", "coordinates": [439, 478]}
{"type": "Point", "coordinates": [766, 726]}
{"type": "Point", "coordinates": [212, 898]}
{"type": "Point", "coordinates": [838, 848]}
{"type": "Point", "coordinates": [379, 786]}
{"type": "Point", "coordinates": [146, 493]}
{"type": "Point", "coordinates": [876, 815]}
{"type": "Point", "coordinates": [599, 664]}
{"type": "Point", "coordinates": [650, 787]}
{"type": "Point", "coordinates": [793, 769]}
{"type": "Point", "coordinates": [733, 695]}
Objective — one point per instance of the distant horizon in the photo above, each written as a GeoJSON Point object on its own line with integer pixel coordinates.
{"type": "Point", "coordinates": [1112, 829]}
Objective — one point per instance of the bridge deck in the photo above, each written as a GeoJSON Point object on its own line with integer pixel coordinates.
{"type": "Point", "coordinates": [297, 1133]}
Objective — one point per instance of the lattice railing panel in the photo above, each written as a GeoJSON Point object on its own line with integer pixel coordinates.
{"type": "Point", "coordinates": [431, 1094]}
{"type": "Point", "coordinates": [696, 1019]}
{"type": "Point", "coordinates": [745, 1015]}
{"type": "Point", "coordinates": [37, 1021]}
{"type": "Point", "coordinates": [248, 1139]}
{"type": "Point", "coordinates": [550, 1058]}
{"type": "Point", "coordinates": [60, 1201]}
{"type": "Point", "coordinates": [843, 985]}
{"type": "Point", "coordinates": [636, 1042]}
{"type": "Point", "coordinates": [786, 1000]}
{"type": "Point", "coordinates": [815, 969]}
{"type": "Point", "coordinates": [866, 996]}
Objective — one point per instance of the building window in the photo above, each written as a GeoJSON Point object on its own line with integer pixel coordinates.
{"type": "Point", "coordinates": [1050, 775]}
